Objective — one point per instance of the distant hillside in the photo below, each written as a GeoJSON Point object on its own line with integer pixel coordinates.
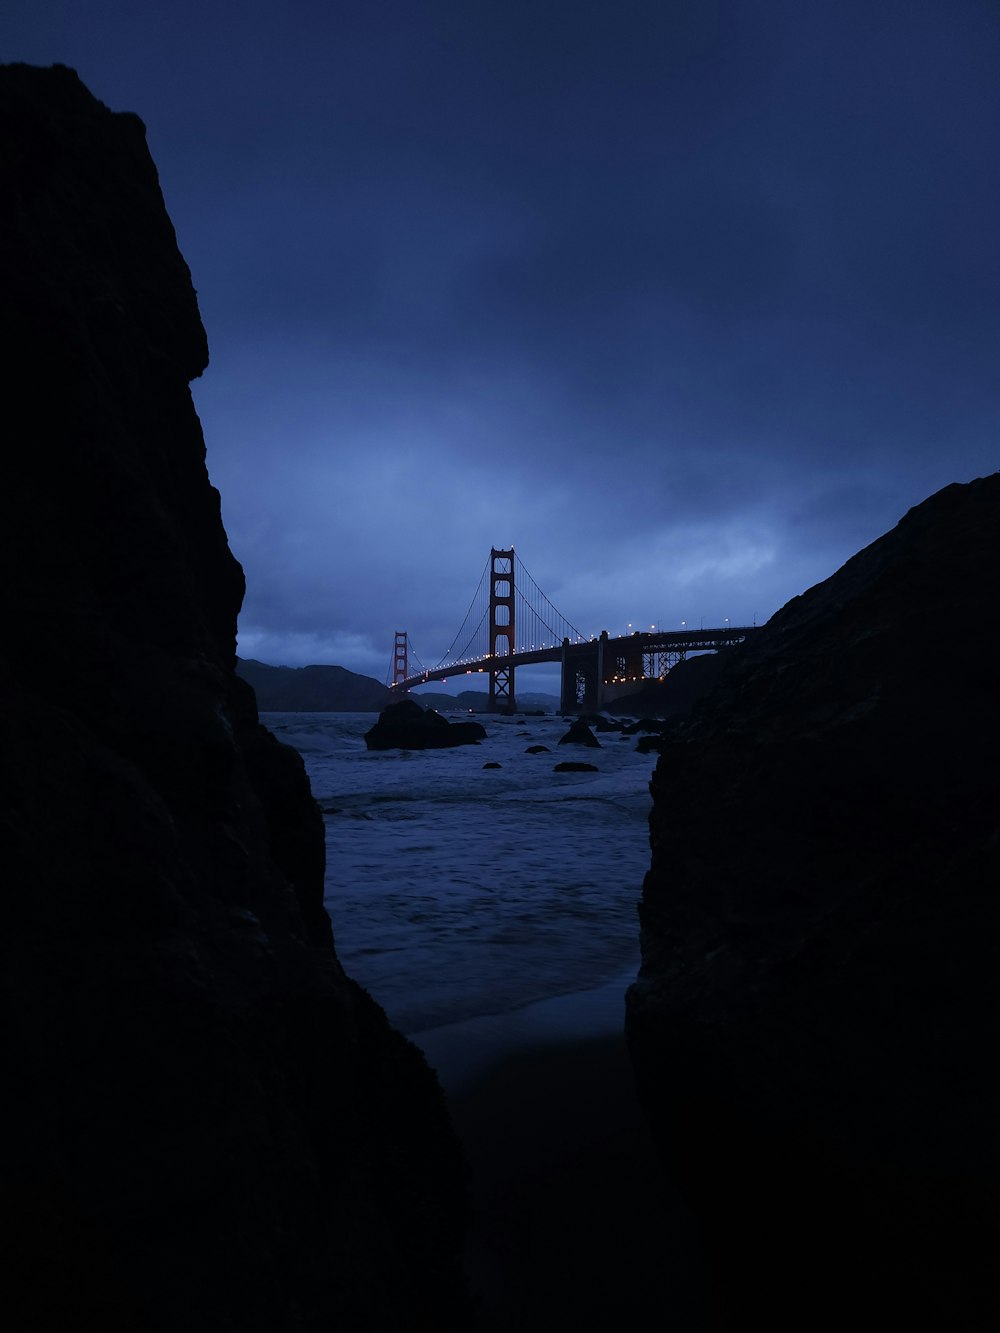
{"type": "Point", "coordinates": [312, 689]}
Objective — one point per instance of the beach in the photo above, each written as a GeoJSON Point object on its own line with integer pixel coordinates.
{"type": "Point", "coordinates": [575, 1225]}
{"type": "Point", "coordinates": [493, 915]}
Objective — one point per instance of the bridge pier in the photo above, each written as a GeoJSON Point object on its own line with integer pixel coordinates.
{"type": "Point", "coordinates": [582, 683]}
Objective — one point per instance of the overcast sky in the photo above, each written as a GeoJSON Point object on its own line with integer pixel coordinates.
{"type": "Point", "coordinates": [686, 301]}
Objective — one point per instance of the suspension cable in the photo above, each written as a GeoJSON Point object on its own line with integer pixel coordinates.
{"type": "Point", "coordinates": [414, 654]}
{"type": "Point", "coordinates": [533, 609]}
{"type": "Point", "coordinates": [465, 620]}
{"type": "Point", "coordinates": [464, 654]}
{"type": "Point", "coordinates": [557, 613]}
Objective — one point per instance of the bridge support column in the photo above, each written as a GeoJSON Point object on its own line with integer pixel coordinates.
{"type": "Point", "coordinates": [400, 657]}
{"type": "Point", "coordinates": [501, 640]}
{"type": "Point", "coordinates": [582, 684]}
{"type": "Point", "coordinates": [602, 644]}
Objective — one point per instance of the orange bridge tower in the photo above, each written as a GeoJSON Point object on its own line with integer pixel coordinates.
{"type": "Point", "coordinates": [400, 658]}
{"type": "Point", "coordinates": [501, 641]}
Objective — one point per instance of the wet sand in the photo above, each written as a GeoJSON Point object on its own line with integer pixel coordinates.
{"type": "Point", "coordinates": [575, 1226]}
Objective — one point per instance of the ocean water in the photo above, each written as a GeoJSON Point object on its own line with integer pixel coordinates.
{"type": "Point", "coordinates": [460, 896]}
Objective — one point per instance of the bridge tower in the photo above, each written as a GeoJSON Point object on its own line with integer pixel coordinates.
{"type": "Point", "coordinates": [400, 658]}
{"type": "Point", "coordinates": [501, 640]}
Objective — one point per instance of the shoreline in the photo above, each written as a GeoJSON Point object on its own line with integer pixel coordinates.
{"type": "Point", "coordinates": [574, 1223]}
{"type": "Point", "coordinates": [463, 1051]}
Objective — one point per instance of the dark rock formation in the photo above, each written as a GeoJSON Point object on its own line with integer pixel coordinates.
{"type": "Point", "coordinates": [492, 764]}
{"type": "Point", "coordinates": [654, 730]}
{"type": "Point", "coordinates": [649, 724]}
{"type": "Point", "coordinates": [599, 722]}
{"type": "Point", "coordinates": [649, 744]}
{"type": "Point", "coordinates": [537, 749]}
{"type": "Point", "coordinates": [815, 1025]}
{"type": "Point", "coordinates": [580, 734]}
{"type": "Point", "coordinates": [207, 1125]}
{"type": "Point", "coordinates": [685, 684]}
{"type": "Point", "coordinates": [312, 689]}
{"type": "Point", "coordinates": [571, 766]}
{"type": "Point", "coordinates": [406, 726]}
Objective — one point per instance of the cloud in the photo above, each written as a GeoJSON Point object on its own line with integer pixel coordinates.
{"type": "Point", "coordinates": [688, 302]}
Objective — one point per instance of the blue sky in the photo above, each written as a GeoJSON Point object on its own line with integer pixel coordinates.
{"type": "Point", "coordinates": [686, 301]}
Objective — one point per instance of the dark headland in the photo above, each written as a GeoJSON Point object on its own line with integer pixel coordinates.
{"type": "Point", "coordinates": [817, 1018]}
{"type": "Point", "coordinates": [210, 1129]}
{"type": "Point", "coordinates": [207, 1125]}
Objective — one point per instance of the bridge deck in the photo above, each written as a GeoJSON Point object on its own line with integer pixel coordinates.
{"type": "Point", "coordinates": [633, 645]}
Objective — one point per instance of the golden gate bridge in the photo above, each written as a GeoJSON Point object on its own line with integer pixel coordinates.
{"type": "Point", "coordinates": [511, 622]}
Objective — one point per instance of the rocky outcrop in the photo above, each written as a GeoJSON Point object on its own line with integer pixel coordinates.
{"type": "Point", "coordinates": [580, 734]}
{"type": "Point", "coordinates": [600, 723]}
{"type": "Point", "coordinates": [312, 689]}
{"type": "Point", "coordinates": [686, 683]}
{"type": "Point", "coordinates": [207, 1125]}
{"type": "Point", "coordinates": [407, 726]}
{"type": "Point", "coordinates": [817, 1010]}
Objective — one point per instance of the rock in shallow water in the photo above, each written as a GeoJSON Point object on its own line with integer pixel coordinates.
{"type": "Point", "coordinates": [208, 1125]}
{"type": "Point", "coordinates": [407, 726]}
{"type": "Point", "coordinates": [818, 989]}
{"type": "Point", "coordinates": [580, 734]}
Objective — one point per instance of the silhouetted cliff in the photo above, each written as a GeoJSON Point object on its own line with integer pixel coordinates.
{"type": "Point", "coordinates": [207, 1125]}
{"type": "Point", "coordinates": [816, 1020]}
{"type": "Point", "coordinates": [686, 683]}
